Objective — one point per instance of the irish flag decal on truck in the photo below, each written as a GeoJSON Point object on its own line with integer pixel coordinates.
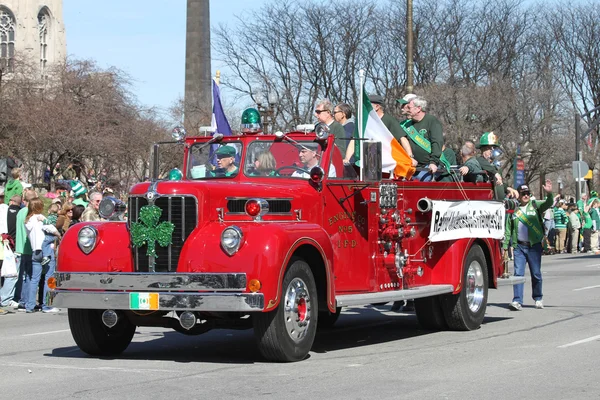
{"type": "Point", "coordinates": [143, 301]}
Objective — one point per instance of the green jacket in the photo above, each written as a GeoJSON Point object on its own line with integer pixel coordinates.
{"type": "Point", "coordinates": [533, 215]}
{"type": "Point", "coordinates": [22, 244]}
{"type": "Point", "coordinates": [13, 187]}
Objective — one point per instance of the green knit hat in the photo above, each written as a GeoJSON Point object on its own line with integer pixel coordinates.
{"type": "Point", "coordinates": [78, 188]}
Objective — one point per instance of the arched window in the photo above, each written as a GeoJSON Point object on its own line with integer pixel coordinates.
{"type": "Point", "coordinates": [7, 39]}
{"type": "Point", "coordinates": [43, 28]}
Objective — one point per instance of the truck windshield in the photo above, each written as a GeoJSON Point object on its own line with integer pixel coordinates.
{"type": "Point", "coordinates": [282, 159]}
{"type": "Point", "coordinates": [214, 161]}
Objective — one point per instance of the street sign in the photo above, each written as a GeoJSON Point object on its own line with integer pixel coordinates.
{"type": "Point", "coordinates": [580, 169]}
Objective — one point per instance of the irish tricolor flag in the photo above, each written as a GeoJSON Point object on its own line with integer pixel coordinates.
{"type": "Point", "coordinates": [394, 157]}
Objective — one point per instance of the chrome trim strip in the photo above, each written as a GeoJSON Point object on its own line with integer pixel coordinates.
{"type": "Point", "coordinates": [511, 280]}
{"type": "Point", "coordinates": [392, 295]}
{"type": "Point", "coordinates": [240, 302]}
{"type": "Point", "coordinates": [134, 281]}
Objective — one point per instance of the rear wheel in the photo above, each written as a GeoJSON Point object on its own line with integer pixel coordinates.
{"type": "Point", "coordinates": [95, 338]}
{"type": "Point", "coordinates": [465, 311]}
{"type": "Point", "coordinates": [287, 334]}
{"type": "Point", "coordinates": [430, 314]}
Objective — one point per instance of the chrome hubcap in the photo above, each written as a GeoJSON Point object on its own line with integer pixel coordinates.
{"type": "Point", "coordinates": [474, 286]}
{"type": "Point", "coordinates": [297, 310]}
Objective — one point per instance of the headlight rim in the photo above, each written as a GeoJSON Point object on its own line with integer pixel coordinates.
{"type": "Point", "coordinates": [240, 239]}
{"type": "Point", "coordinates": [87, 249]}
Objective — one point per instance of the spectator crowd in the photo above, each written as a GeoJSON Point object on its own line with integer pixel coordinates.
{"type": "Point", "coordinates": [32, 224]}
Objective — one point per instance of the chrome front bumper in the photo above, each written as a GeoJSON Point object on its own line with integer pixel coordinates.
{"type": "Point", "coordinates": [196, 292]}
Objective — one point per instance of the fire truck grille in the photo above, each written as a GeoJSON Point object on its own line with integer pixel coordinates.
{"type": "Point", "coordinates": [182, 211]}
{"type": "Point", "coordinates": [276, 206]}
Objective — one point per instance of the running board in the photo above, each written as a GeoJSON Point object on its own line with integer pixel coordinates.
{"type": "Point", "coordinates": [348, 300]}
{"type": "Point", "coordinates": [511, 280]}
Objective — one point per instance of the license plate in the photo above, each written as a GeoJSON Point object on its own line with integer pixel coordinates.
{"type": "Point", "coordinates": [143, 301]}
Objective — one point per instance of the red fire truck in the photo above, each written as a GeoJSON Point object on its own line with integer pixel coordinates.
{"type": "Point", "coordinates": [279, 247]}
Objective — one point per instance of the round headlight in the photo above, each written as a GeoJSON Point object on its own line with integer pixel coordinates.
{"type": "Point", "coordinates": [231, 239]}
{"type": "Point", "coordinates": [87, 239]}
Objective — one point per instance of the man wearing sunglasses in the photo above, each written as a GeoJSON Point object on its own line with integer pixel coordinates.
{"type": "Point", "coordinates": [524, 232]}
{"type": "Point", "coordinates": [225, 162]}
{"type": "Point", "coordinates": [324, 114]}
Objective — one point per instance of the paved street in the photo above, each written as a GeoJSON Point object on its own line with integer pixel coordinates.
{"type": "Point", "coordinates": [372, 353]}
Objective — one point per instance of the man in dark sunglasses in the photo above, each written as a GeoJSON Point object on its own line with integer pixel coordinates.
{"type": "Point", "coordinates": [324, 113]}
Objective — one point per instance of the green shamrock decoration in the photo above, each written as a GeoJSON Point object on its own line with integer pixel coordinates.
{"type": "Point", "coordinates": [149, 231]}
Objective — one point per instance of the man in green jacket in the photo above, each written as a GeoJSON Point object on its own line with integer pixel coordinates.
{"type": "Point", "coordinates": [525, 232]}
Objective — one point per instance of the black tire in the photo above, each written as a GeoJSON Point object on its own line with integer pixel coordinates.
{"type": "Point", "coordinates": [327, 319]}
{"type": "Point", "coordinates": [95, 338]}
{"type": "Point", "coordinates": [287, 333]}
{"type": "Point", "coordinates": [465, 311]}
{"type": "Point", "coordinates": [430, 314]}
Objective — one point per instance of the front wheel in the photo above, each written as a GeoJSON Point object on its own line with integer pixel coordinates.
{"type": "Point", "coordinates": [465, 311]}
{"type": "Point", "coordinates": [287, 333]}
{"type": "Point", "coordinates": [95, 338]}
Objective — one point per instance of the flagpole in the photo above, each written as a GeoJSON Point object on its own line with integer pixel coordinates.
{"type": "Point", "coordinates": [361, 133]}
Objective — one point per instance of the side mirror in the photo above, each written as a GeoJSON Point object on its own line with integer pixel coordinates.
{"type": "Point", "coordinates": [179, 133]}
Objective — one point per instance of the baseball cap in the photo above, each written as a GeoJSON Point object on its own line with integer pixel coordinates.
{"type": "Point", "coordinates": [407, 99]}
{"type": "Point", "coordinates": [226, 151]}
{"type": "Point", "coordinates": [57, 200]}
{"type": "Point", "coordinates": [524, 189]}
{"type": "Point", "coordinates": [310, 146]}
{"type": "Point", "coordinates": [376, 99]}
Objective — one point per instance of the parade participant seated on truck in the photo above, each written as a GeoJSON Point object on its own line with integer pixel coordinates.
{"type": "Point", "coordinates": [426, 139]}
{"type": "Point", "coordinates": [471, 170]}
{"type": "Point", "coordinates": [310, 158]}
{"type": "Point", "coordinates": [264, 165]}
{"type": "Point", "coordinates": [225, 162]}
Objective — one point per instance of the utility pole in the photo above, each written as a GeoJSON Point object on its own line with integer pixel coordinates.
{"type": "Point", "coordinates": [409, 47]}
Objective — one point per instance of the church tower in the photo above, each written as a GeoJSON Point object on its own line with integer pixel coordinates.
{"type": "Point", "coordinates": [32, 31]}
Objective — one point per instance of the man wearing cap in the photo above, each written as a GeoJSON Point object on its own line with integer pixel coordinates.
{"type": "Point", "coordinates": [225, 162]}
{"type": "Point", "coordinates": [390, 122]}
{"type": "Point", "coordinates": [324, 113]}
{"type": "Point", "coordinates": [308, 157]}
{"type": "Point", "coordinates": [425, 135]}
{"type": "Point", "coordinates": [525, 232]}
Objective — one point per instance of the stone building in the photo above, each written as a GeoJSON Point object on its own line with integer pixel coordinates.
{"type": "Point", "coordinates": [31, 31]}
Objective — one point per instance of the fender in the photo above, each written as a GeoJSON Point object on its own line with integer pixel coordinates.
{"type": "Point", "coordinates": [264, 255]}
{"type": "Point", "coordinates": [326, 254]}
{"type": "Point", "coordinates": [456, 254]}
{"type": "Point", "coordinates": [111, 254]}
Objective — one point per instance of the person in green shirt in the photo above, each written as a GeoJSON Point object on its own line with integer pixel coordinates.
{"type": "Point", "coordinates": [560, 224]}
{"type": "Point", "coordinates": [524, 231]}
{"type": "Point", "coordinates": [14, 185]}
{"type": "Point", "coordinates": [425, 137]}
{"type": "Point", "coordinates": [595, 203]}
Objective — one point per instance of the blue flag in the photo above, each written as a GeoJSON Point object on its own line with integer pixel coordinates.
{"type": "Point", "coordinates": [219, 121]}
